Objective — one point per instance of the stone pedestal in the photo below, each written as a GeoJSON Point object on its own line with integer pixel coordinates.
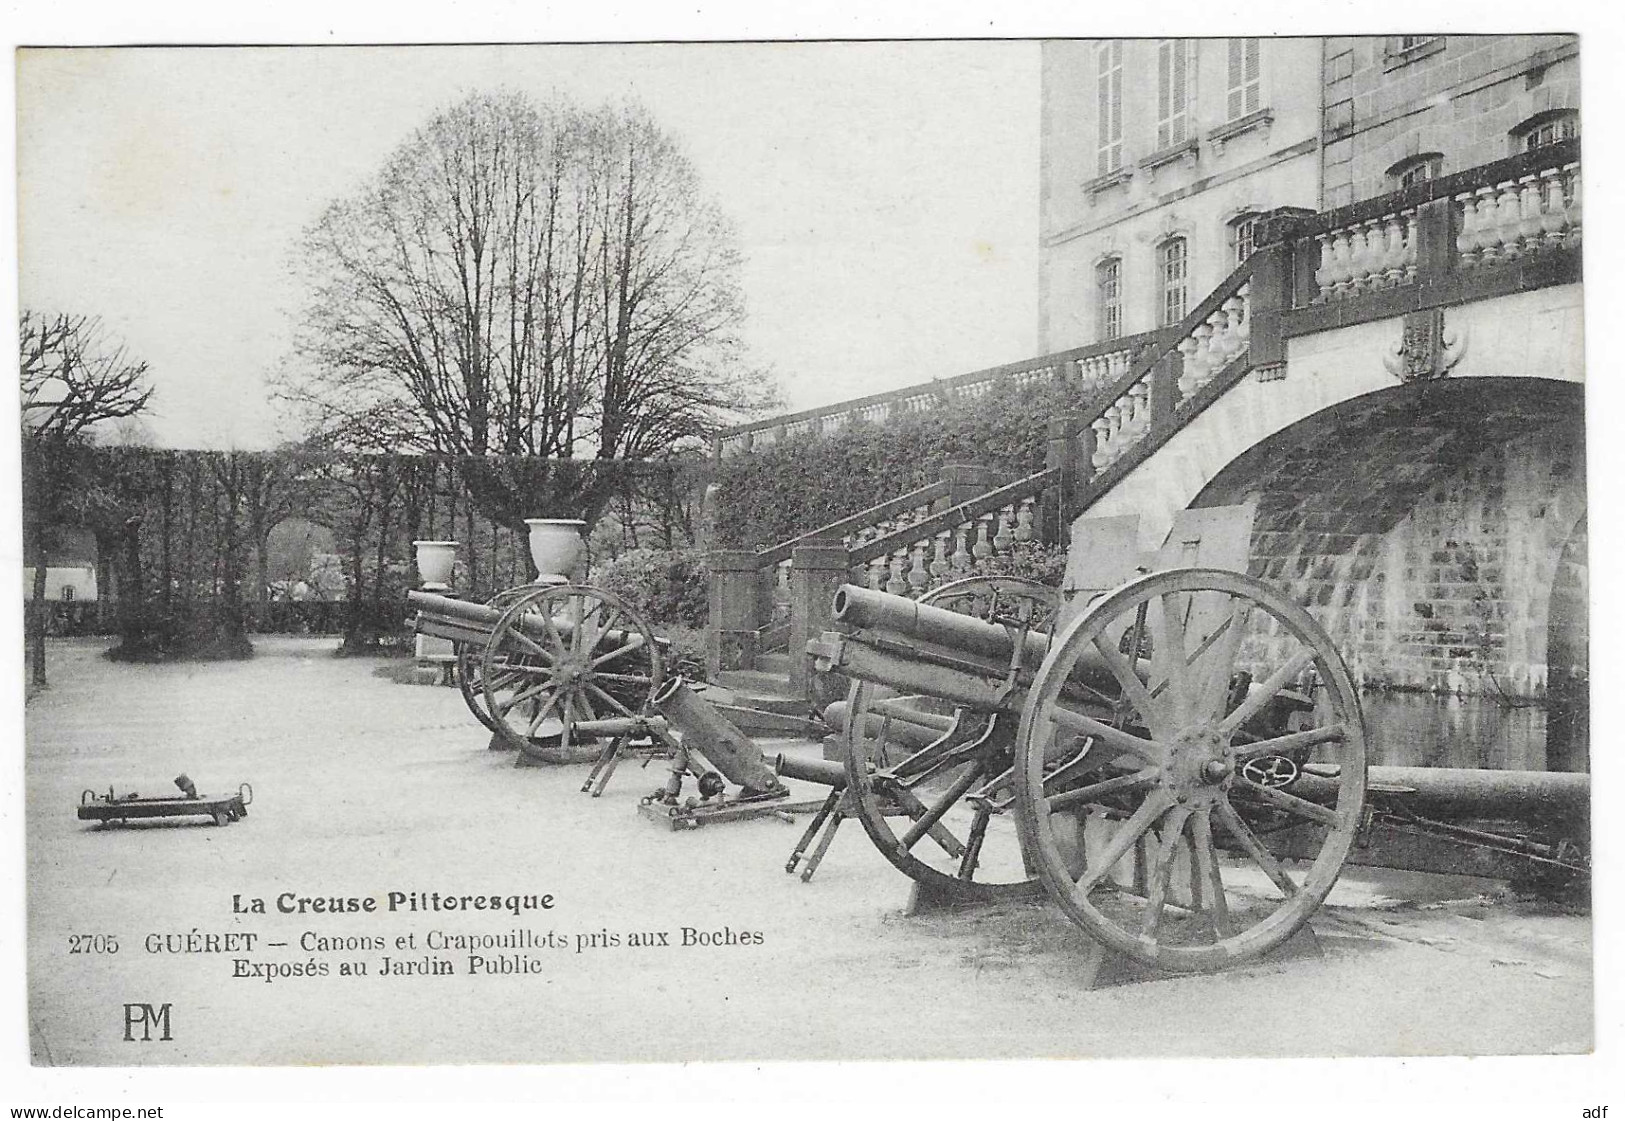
{"type": "Point", "coordinates": [730, 641]}
{"type": "Point", "coordinates": [816, 571]}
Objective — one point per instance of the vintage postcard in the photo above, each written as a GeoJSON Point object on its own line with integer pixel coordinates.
{"type": "Point", "coordinates": [822, 550]}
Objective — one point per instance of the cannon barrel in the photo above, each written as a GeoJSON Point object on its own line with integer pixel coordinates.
{"type": "Point", "coordinates": [978, 688]}
{"type": "Point", "coordinates": [899, 618]}
{"type": "Point", "coordinates": [825, 772]}
{"type": "Point", "coordinates": [468, 616]}
{"type": "Point", "coordinates": [869, 610]}
{"type": "Point", "coordinates": [1453, 792]}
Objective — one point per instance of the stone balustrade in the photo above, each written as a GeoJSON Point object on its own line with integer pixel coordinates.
{"type": "Point", "coordinates": [1089, 369]}
{"type": "Point", "coordinates": [1124, 422]}
{"type": "Point", "coordinates": [1519, 217]}
{"type": "Point", "coordinates": [910, 563]}
{"type": "Point", "coordinates": [1377, 253]}
{"type": "Point", "coordinates": [1217, 341]}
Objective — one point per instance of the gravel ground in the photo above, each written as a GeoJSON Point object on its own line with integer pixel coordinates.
{"type": "Point", "coordinates": [364, 786]}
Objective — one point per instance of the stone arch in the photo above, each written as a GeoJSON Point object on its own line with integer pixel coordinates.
{"type": "Point", "coordinates": [1424, 525]}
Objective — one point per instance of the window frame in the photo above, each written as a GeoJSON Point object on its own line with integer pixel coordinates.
{"type": "Point", "coordinates": [1565, 124]}
{"type": "Point", "coordinates": [1245, 222]}
{"type": "Point", "coordinates": [1109, 311]}
{"type": "Point", "coordinates": [1403, 174]}
{"type": "Point", "coordinates": [1168, 284]}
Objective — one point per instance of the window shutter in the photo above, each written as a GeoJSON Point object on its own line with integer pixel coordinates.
{"type": "Point", "coordinates": [1109, 122]}
{"type": "Point", "coordinates": [1235, 81]}
{"type": "Point", "coordinates": [1250, 75]}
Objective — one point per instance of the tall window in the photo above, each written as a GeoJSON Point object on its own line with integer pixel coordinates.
{"type": "Point", "coordinates": [1243, 79]}
{"type": "Point", "coordinates": [1173, 93]}
{"type": "Point", "coordinates": [1173, 264]}
{"type": "Point", "coordinates": [1548, 128]}
{"type": "Point", "coordinates": [1242, 230]}
{"type": "Point", "coordinates": [1109, 299]}
{"type": "Point", "coordinates": [1109, 118]}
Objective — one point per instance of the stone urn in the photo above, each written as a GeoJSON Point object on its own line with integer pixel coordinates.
{"type": "Point", "coordinates": [555, 546]}
{"type": "Point", "coordinates": [435, 561]}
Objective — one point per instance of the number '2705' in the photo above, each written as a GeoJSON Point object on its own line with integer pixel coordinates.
{"type": "Point", "coordinates": [92, 944]}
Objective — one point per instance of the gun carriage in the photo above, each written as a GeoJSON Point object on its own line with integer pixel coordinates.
{"type": "Point", "coordinates": [1179, 764]}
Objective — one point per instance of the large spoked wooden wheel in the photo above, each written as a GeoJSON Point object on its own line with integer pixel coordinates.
{"type": "Point", "coordinates": [471, 661]}
{"type": "Point", "coordinates": [956, 832]}
{"type": "Point", "coordinates": [561, 655]}
{"type": "Point", "coordinates": [1134, 782]}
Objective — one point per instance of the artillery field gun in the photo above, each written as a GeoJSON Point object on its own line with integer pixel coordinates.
{"type": "Point", "coordinates": [1179, 764]}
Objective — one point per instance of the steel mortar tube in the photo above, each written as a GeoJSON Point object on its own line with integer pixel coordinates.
{"type": "Point", "coordinates": [481, 617]}
{"type": "Point", "coordinates": [902, 619]}
{"type": "Point", "coordinates": [705, 730]}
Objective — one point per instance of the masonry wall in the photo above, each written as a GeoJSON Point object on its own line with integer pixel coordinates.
{"type": "Point", "coordinates": [1446, 585]}
{"type": "Point", "coordinates": [1461, 96]}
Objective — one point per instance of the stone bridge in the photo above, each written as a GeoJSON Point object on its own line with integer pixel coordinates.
{"type": "Point", "coordinates": [1396, 387]}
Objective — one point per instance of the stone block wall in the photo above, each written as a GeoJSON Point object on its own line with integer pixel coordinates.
{"type": "Point", "coordinates": [1458, 95]}
{"type": "Point", "coordinates": [1427, 539]}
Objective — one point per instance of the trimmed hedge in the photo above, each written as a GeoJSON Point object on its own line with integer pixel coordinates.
{"type": "Point", "coordinates": [767, 496]}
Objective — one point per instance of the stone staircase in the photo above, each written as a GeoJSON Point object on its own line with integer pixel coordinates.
{"type": "Point", "coordinates": [762, 702]}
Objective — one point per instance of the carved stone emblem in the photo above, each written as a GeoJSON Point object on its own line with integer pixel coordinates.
{"type": "Point", "coordinates": [1425, 352]}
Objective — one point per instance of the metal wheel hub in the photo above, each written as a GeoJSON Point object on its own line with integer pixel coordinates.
{"type": "Point", "coordinates": [1199, 764]}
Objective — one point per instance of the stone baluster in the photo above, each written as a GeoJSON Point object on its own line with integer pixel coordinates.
{"type": "Point", "coordinates": [1553, 218]}
{"type": "Point", "coordinates": [1469, 237]}
{"type": "Point", "coordinates": [918, 575]}
{"type": "Point", "coordinates": [895, 583]}
{"type": "Point", "coordinates": [1139, 413]}
{"type": "Point", "coordinates": [1571, 236]}
{"type": "Point", "coordinates": [1376, 253]}
{"type": "Point", "coordinates": [940, 565]}
{"type": "Point", "coordinates": [1101, 427]}
{"type": "Point", "coordinates": [1359, 258]}
{"type": "Point", "coordinates": [1005, 519]}
{"type": "Point", "coordinates": [1342, 266]}
{"type": "Point", "coordinates": [1506, 222]}
{"type": "Point", "coordinates": [1408, 258]}
{"type": "Point", "coordinates": [1220, 346]}
{"type": "Point", "coordinates": [1190, 375]}
{"type": "Point", "coordinates": [1393, 257]}
{"type": "Point", "coordinates": [1529, 202]}
{"type": "Point", "coordinates": [1239, 308]}
{"type": "Point", "coordinates": [984, 544]}
{"type": "Point", "coordinates": [1324, 270]}
{"type": "Point", "coordinates": [877, 573]}
{"type": "Point", "coordinates": [961, 559]}
{"type": "Point", "coordinates": [1024, 520]}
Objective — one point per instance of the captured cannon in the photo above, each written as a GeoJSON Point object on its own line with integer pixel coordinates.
{"type": "Point", "coordinates": [1179, 763]}
{"type": "Point", "coordinates": [550, 657]}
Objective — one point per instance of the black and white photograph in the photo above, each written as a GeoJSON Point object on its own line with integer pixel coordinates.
{"type": "Point", "coordinates": [823, 550]}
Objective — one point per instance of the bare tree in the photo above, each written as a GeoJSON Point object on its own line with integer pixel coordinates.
{"type": "Point", "coordinates": [523, 280]}
{"type": "Point", "coordinates": [73, 377]}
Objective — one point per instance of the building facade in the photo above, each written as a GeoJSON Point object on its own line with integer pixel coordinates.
{"type": "Point", "coordinates": [1157, 156]}
{"type": "Point", "coordinates": [1401, 109]}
